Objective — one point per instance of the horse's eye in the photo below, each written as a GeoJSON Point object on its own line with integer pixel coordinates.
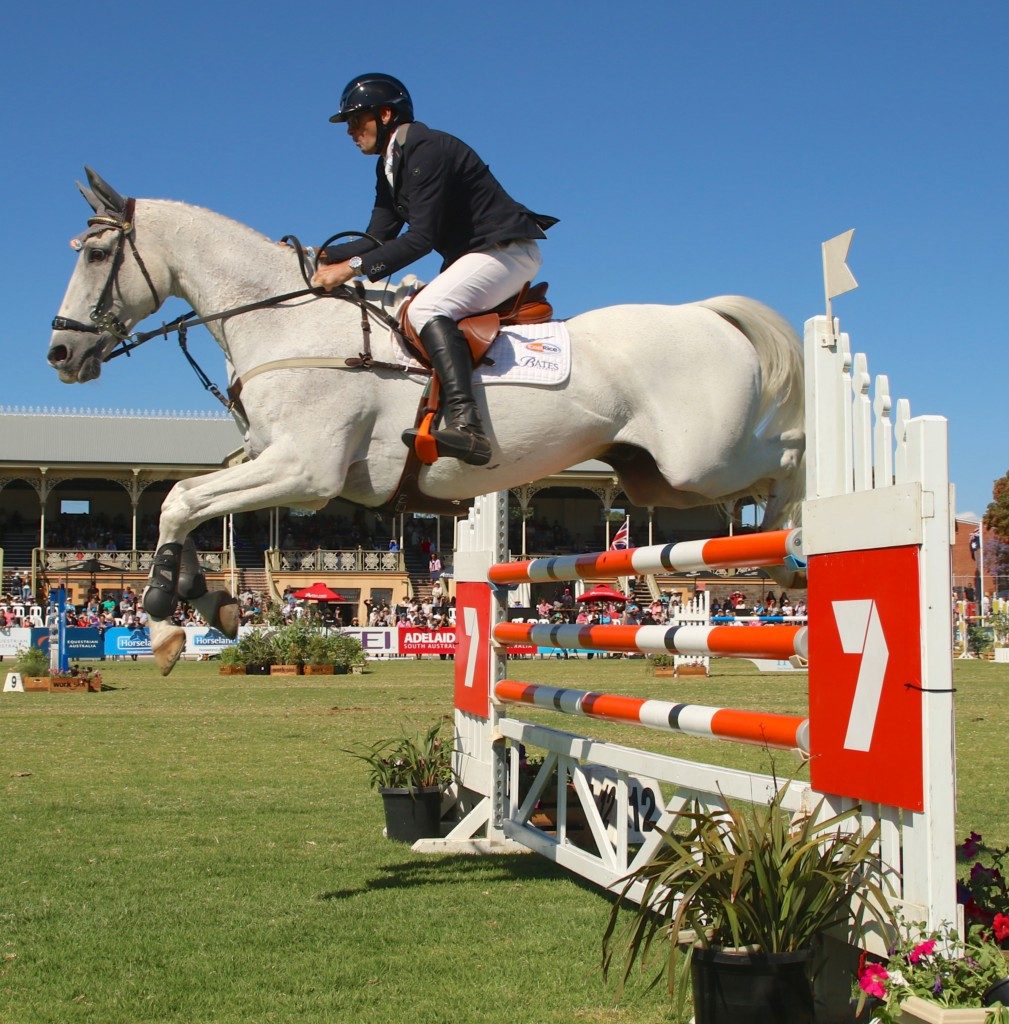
{"type": "Point", "coordinates": [96, 255]}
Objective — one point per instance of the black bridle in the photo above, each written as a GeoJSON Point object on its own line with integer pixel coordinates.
{"type": "Point", "coordinates": [104, 321]}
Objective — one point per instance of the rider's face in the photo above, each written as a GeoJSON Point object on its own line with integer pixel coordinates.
{"type": "Point", "coordinates": [363, 129]}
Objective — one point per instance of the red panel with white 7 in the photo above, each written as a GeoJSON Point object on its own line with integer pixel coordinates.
{"type": "Point", "coordinates": [473, 648]}
{"type": "Point", "coordinates": [865, 710]}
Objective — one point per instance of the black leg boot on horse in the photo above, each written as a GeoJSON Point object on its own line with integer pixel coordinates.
{"type": "Point", "coordinates": [219, 609]}
{"type": "Point", "coordinates": [461, 436]}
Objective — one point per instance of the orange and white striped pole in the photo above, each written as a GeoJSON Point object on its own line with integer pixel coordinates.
{"type": "Point", "coordinates": [749, 550]}
{"type": "Point", "coordinates": [777, 642]}
{"type": "Point", "coordinates": [787, 732]}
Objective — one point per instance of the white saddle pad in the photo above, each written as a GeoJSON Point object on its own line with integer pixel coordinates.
{"type": "Point", "coordinates": [528, 354]}
{"type": "Point", "coordinates": [525, 354]}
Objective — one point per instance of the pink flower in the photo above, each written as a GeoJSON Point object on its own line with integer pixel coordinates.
{"type": "Point", "coordinates": [922, 949]}
{"type": "Point", "coordinates": [871, 979]}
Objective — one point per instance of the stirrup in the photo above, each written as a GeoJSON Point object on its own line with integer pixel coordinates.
{"type": "Point", "coordinates": [452, 443]}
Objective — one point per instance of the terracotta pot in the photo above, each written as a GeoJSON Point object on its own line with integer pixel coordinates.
{"type": "Point", "coordinates": [231, 670]}
{"type": "Point", "coordinates": [663, 670]}
{"type": "Point", "coordinates": [35, 684]}
{"type": "Point", "coordinates": [285, 670]}
{"type": "Point", "coordinates": [318, 670]}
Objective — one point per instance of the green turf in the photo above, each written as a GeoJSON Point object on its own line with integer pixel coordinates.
{"type": "Point", "coordinates": [201, 849]}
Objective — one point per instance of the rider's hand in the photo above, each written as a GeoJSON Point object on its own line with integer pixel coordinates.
{"type": "Point", "coordinates": [332, 275]}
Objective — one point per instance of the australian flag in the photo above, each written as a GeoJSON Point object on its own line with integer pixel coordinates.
{"type": "Point", "coordinates": [975, 544]}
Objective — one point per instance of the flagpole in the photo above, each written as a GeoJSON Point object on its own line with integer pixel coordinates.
{"type": "Point", "coordinates": [980, 562]}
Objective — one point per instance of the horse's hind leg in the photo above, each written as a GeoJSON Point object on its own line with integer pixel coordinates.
{"type": "Point", "coordinates": [218, 607]}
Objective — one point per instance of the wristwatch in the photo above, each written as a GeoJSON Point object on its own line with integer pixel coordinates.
{"type": "Point", "coordinates": [355, 264]}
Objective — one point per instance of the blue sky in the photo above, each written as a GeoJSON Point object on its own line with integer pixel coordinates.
{"type": "Point", "coordinates": [689, 150]}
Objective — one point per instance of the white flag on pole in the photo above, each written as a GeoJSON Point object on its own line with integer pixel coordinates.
{"type": "Point", "coordinates": [837, 278]}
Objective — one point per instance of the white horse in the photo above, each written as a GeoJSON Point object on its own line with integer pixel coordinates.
{"type": "Point", "coordinates": [694, 404]}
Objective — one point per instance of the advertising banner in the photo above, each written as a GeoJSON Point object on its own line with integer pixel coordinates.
{"type": "Point", "coordinates": [120, 642]}
{"type": "Point", "coordinates": [14, 641]}
{"type": "Point", "coordinates": [205, 640]}
{"type": "Point", "coordinates": [376, 641]}
{"type": "Point", "coordinates": [413, 640]}
{"type": "Point", "coordinates": [84, 642]}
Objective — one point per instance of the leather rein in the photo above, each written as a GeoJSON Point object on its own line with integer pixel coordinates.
{"type": "Point", "coordinates": [105, 322]}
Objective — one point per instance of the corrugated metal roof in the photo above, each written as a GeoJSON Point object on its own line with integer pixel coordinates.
{"type": "Point", "coordinates": [50, 437]}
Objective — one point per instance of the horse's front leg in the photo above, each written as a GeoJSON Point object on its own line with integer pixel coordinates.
{"type": "Point", "coordinates": [218, 607]}
{"type": "Point", "coordinates": [278, 477]}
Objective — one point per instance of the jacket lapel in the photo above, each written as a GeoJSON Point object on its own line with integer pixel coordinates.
{"type": "Point", "coordinates": [397, 156]}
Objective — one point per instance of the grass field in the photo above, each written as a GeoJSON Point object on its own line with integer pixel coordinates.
{"type": "Point", "coordinates": [202, 849]}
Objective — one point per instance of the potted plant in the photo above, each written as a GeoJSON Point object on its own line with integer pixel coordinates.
{"type": "Point", "coordinates": [319, 655]}
{"type": "Point", "coordinates": [255, 652]}
{"type": "Point", "coordinates": [347, 652]}
{"type": "Point", "coordinates": [231, 661]}
{"type": "Point", "coordinates": [411, 773]}
{"type": "Point", "coordinates": [77, 679]}
{"type": "Point", "coordinates": [660, 664]}
{"type": "Point", "coordinates": [290, 645]}
{"type": "Point", "coordinates": [938, 978]}
{"type": "Point", "coordinates": [748, 892]}
{"type": "Point", "coordinates": [33, 664]}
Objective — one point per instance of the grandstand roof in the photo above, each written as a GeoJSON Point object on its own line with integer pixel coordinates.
{"type": "Point", "coordinates": [47, 436]}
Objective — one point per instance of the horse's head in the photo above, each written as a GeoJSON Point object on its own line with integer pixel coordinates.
{"type": "Point", "coordinates": [111, 289]}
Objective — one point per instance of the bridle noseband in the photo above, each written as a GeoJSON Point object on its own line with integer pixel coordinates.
{"type": "Point", "coordinates": [103, 319]}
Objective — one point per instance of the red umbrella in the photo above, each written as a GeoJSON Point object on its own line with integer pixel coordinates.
{"type": "Point", "coordinates": [602, 592]}
{"type": "Point", "coordinates": [318, 592]}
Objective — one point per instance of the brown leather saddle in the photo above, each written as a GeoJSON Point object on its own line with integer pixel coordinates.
{"type": "Point", "coordinates": [529, 306]}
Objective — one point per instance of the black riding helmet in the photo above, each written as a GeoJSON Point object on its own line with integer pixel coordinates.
{"type": "Point", "coordinates": [371, 91]}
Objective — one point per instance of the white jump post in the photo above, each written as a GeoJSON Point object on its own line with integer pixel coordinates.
{"type": "Point", "coordinates": [876, 537]}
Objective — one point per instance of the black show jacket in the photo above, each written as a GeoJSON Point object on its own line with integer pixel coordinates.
{"type": "Point", "coordinates": [448, 197]}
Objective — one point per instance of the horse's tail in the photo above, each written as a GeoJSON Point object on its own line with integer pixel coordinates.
{"type": "Point", "coordinates": [781, 412]}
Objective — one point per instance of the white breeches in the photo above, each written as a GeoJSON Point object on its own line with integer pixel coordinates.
{"type": "Point", "coordinates": [477, 282]}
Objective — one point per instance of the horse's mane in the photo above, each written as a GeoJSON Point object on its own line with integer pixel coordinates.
{"type": "Point", "coordinates": [225, 221]}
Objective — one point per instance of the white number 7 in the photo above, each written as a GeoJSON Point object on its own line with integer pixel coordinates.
{"type": "Point", "coordinates": [861, 632]}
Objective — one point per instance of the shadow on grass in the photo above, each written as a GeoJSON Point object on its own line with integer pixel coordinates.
{"type": "Point", "coordinates": [451, 870]}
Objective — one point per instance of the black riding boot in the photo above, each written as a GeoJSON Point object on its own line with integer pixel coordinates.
{"type": "Point", "coordinates": [461, 436]}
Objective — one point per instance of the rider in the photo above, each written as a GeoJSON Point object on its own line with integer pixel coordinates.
{"type": "Point", "coordinates": [453, 205]}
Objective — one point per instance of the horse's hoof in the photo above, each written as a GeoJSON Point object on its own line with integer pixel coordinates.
{"type": "Point", "coordinates": [168, 652]}
{"type": "Point", "coordinates": [229, 617]}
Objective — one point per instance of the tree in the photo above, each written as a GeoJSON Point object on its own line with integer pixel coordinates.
{"type": "Point", "coordinates": [996, 518]}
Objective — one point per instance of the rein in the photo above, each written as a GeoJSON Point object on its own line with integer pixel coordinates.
{"type": "Point", "coordinates": [104, 321]}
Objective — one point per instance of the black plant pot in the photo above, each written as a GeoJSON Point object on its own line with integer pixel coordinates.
{"type": "Point", "coordinates": [999, 992]}
{"type": "Point", "coordinates": [412, 814]}
{"type": "Point", "coordinates": [751, 988]}
{"type": "Point", "coordinates": [257, 669]}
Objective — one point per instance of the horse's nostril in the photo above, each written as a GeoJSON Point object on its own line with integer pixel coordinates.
{"type": "Point", "coordinates": [57, 355]}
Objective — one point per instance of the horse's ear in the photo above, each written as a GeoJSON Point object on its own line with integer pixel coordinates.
{"type": "Point", "coordinates": [106, 194]}
{"type": "Point", "coordinates": [92, 199]}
